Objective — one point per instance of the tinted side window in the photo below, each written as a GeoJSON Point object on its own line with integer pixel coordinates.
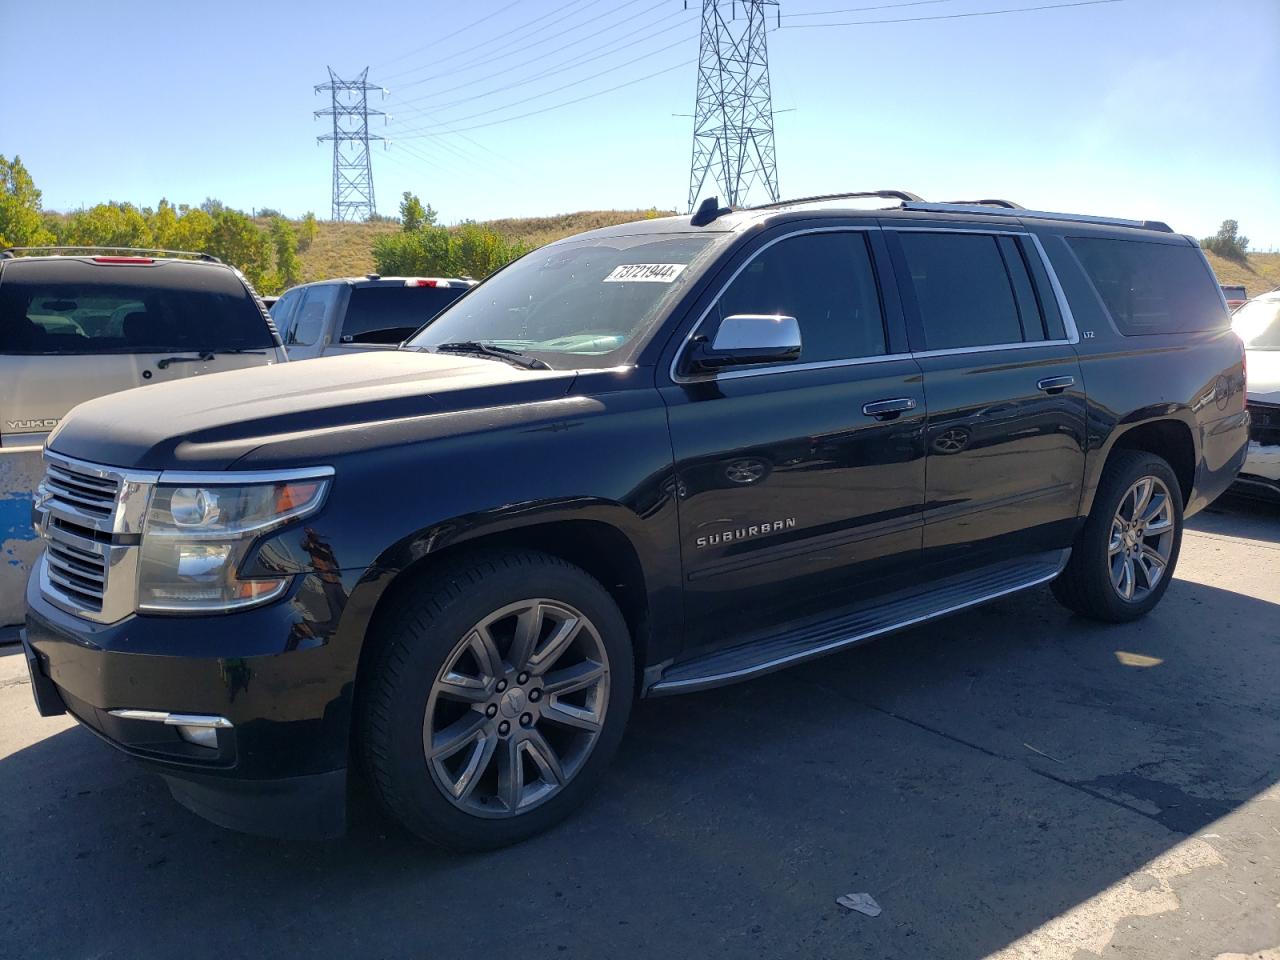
{"type": "Point", "coordinates": [282, 312]}
{"type": "Point", "coordinates": [317, 304]}
{"type": "Point", "coordinates": [390, 314]}
{"type": "Point", "coordinates": [1151, 287]}
{"type": "Point", "coordinates": [964, 292]}
{"type": "Point", "coordinates": [825, 281]}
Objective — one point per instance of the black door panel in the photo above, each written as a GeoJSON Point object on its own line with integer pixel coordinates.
{"type": "Point", "coordinates": [1006, 459]}
{"type": "Point", "coordinates": [791, 499]}
{"type": "Point", "coordinates": [1006, 423]}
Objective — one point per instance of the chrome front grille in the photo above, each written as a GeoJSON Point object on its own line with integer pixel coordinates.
{"type": "Point", "coordinates": [91, 517]}
{"type": "Point", "coordinates": [78, 573]}
{"type": "Point", "coordinates": [81, 492]}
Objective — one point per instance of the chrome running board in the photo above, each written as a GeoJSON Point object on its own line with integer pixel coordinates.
{"type": "Point", "coordinates": [896, 612]}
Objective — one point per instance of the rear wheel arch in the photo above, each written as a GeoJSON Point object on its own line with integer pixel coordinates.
{"type": "Point", "coordinates": [1169, 438]}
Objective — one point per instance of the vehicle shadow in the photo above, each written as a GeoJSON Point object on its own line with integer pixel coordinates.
{"type": "Point", "coordinates": [978, 777]}
{"type": "Point", "coordinates": [1239, 516]}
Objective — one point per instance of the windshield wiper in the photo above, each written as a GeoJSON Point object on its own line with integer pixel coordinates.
{"type": "Point", "coordinates": [204, 357]}
{"type": "Point", "coordinates": [490, 350]}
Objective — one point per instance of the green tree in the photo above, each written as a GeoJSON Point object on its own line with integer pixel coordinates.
{"type": "Point", "coordinates": [237, 240]}
{"type": "Point", "coordinates": [1228, 243]}
{"type": "Point", "coordinates": [470, 249]}
{"type": "Point", "coordinates": [413, 215]}
{"type": "Point", "coordinates": [308, 230]}
{"type": "Point", "coordinates": [288, 266]}
{"type": "Point", "coordinates": [110, 225]}
{"type": "Point", "coordinates": [21, 221]}
{"type": "Point", "coordinates": [425, 251]}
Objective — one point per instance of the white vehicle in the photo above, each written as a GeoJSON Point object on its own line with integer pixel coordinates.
{"type": "Point", "coordinates": [80, 322]}
{"type": "Point", "coordinates": [1258, 324]}
{"type": "Point", "coordinates": [332, 317]}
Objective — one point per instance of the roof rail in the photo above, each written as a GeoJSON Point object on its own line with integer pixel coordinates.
{"type": "Point", "coordinates": [1007, 204]}
{"type": "Point", "coordinates": [987, 207]}
{"type": "Point", "coordinates": [12, 252]}
{"type": "Point", "coordinates": [902, 195]}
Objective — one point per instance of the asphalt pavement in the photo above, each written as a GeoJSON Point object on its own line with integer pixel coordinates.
{"type": "Point", "coordinates": [1013, 782]}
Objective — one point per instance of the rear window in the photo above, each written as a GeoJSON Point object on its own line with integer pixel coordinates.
{"type": "Point", "coordinates": [1151, 288]}
{"type": "Point", "coordinates": [390, 314]}
{"type": "Point", "coordinates": [73, 307]}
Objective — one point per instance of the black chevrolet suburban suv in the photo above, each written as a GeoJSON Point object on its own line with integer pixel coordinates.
{"type": "Point", "coordinates": [649, 459]}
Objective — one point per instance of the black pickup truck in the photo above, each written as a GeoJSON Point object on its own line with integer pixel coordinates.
{"type": "Point", "coordinates": [645, 460]}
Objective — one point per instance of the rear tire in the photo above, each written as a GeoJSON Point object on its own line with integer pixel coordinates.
{"type": "Point", "coordinates": [496, 699]}
{"type": "Point", "coordinates": [1120, 552]}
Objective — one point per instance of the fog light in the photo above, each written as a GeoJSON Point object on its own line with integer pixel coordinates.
{"type": "Point", "coordinates": [200, 736]}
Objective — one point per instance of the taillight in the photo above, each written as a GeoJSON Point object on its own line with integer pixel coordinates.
{"type": "Point", "coordinates": [423, 283]}
{"type": "Point", "coordinates": [123, 260]}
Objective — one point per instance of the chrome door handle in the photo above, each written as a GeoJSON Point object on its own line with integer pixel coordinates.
{"type": "Point", "coordinates": [888, 409]}
{"type": "Point", "coordinates": [1056, 384]}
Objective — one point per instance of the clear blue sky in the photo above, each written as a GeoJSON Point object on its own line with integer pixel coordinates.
{"type": "Point", "coordinates": [1146, 108]}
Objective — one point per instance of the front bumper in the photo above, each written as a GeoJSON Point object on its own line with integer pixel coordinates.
{"type": "Point", "coordinates": [279, 768]}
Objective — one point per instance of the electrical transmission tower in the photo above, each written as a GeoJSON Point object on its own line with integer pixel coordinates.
{"type": "Point", "coordinates": [352, 167]}
{"type": "Point", "coordinates": [733, 119]}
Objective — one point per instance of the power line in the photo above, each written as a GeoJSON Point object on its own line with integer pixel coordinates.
{"type": "Point", "coordinates": [951, 16]}
{"type": "Point", "coordinates": [449, 36]}
{"type": "Point", "coordinates": [543, 56]}
{"type": "Point", "coordinates": [546, 25]}
{"type": "Point", "coordinates": [881, 6]}
{"type": "Point", "coordinates": [573, 83]}
{"type": "Point", "coordinates": [566, 103]}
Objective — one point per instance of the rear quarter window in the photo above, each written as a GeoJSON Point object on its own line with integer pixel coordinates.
{"type": "Point", "coordinates": [1151, 288]}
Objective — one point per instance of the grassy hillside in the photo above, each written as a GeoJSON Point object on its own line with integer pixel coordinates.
{"type": "Point", "coordinates": [1260, 274]}
{"type": "Point", "coordinates": [342, 249]}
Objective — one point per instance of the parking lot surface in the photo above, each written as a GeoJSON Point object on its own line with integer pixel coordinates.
{"type": "Point", "coordinates": [1012, 782]}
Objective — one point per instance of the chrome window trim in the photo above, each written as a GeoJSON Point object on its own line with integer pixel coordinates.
{"type": "Point", "coordinates": [676, 377]}
{"type": "Point", "coordinates": [221, 478]}
{"type": "Point", "coordinates": [1060, 296]}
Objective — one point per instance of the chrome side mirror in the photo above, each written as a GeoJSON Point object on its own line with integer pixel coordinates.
{"type": "Point", "coordinates": [750, 338]}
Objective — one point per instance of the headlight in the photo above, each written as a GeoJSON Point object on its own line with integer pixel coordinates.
{"type": "Point", "coordinates": [196, 539]}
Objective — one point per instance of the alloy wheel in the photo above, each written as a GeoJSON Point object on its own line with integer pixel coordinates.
{"type": "Point", "coordinates": [1142, 535]}
{"type": "Point", "coordinates": [517, 708]}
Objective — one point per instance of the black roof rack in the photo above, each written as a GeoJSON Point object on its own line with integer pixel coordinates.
{"type": "Point", "coordinates": [1007, 204]}
{"type": "Point", "coordinates": [902, 195]}
{"type": "Point", "coordinates": [12, 252]}
{"type": "Point", "coordinates": [997, 208]}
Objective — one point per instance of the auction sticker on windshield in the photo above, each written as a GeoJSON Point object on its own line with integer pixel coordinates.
{"type": "Point", "coordinates": [645, 273]}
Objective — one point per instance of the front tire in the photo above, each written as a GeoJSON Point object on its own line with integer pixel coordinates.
{"type": "Point", "coordinates": [1124, 558]}
{"type": "Point", "coordinates": [496, 699]}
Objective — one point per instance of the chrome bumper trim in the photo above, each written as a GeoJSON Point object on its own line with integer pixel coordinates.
{"type": "Point", "coordinates": [175, 719]}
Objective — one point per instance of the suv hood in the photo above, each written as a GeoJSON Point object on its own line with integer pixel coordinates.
{"type": "Point", "coordinates": [336, 405]}
{"type": "Point", "coordinates": [1264, 376]}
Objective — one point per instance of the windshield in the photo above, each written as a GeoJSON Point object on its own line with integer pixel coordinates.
{"type": "Point", "coordinates": [70, 307]}
{"type": "Point", "coordinates": [1258, 324]}
{"type": "Point", "coordinates": [572, 305]}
